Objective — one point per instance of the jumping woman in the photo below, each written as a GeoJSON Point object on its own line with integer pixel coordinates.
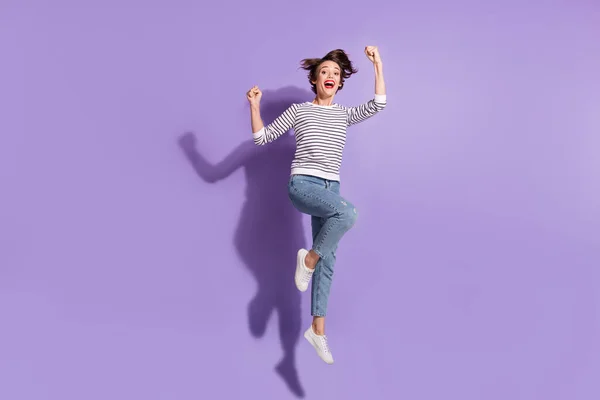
{"type": "Point", "coordinates": [314, 185]}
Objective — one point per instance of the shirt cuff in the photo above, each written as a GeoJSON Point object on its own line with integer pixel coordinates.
{"type": "Point", "coordinates": [259, 134]}
{"type": "Point", "coordinates": [380, 98]}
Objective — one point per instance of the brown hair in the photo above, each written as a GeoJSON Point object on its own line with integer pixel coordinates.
{"type": "Point", "coordinates": [338, 56]}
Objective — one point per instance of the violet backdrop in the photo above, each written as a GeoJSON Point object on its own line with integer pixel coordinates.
{"type": "Point", "coordinates": [128, 272]}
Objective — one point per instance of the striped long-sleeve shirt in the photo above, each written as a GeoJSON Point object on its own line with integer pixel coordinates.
{"type": "Point", "coordinates": [320, 133]}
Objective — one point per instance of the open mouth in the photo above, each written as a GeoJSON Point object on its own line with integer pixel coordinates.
{"type": "Point", "coordinates": [329, 84]}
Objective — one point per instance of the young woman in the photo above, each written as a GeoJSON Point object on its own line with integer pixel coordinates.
{"type": "Point", "coordinates": [314, 185]}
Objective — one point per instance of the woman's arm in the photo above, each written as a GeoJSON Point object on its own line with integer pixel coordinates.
{"type": "Point", "coordinates": [379, 81]}
{"type": "Point", "coordinates": [372, 53]}
{"type": "Point", "coordinates": [265, 134]}
{"type": "Point", "coordinates": [257, 122]}
{"type": "Point", "coordinates": [373, 106]}
{"type": "Point", "coordinates": [254, 95]}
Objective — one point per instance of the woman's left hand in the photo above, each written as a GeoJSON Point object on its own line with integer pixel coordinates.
{"type": "Point", "coordinates": [372, 53]}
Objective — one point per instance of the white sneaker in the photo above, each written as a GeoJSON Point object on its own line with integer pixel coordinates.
{"type": "Point", "coordinates": [319, 342]}
{"type": "Point", "coordinates": [303, 273]}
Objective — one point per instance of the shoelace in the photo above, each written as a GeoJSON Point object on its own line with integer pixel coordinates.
{"type": "Point", "coordinates": [324, 343]}
{"type": "Point", "coordinates": [307, 275]}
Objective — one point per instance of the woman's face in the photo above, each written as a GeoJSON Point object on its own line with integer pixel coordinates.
{"type": "Point", "coordinates": [328, 78]}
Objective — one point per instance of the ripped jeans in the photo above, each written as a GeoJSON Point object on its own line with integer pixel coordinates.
{"type": "Point", "coordinates": [331, 217]}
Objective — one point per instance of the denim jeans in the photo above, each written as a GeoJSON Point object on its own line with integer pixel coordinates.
{"type": "Point", "coordinates": [331, 217]}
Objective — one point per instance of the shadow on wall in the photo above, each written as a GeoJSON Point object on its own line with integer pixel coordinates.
{"type": "Point", "coordinates": [269, 232]}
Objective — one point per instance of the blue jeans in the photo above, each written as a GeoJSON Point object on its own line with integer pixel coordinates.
{"type": "Point", "coordinates": [331, 217]}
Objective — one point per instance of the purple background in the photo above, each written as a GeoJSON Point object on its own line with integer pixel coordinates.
{"type": "Point", "coordinates": [125, 273]}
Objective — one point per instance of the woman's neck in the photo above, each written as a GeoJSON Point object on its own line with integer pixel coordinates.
{"type": "Point", "coordinates": [323, 102]}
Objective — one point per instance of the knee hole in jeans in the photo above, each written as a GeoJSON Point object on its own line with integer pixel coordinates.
{"type": "Point", "coordinates": [349, 215]}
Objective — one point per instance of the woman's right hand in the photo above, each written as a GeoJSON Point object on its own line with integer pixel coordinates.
{"type": "Point", "coordinates": [254, 95]}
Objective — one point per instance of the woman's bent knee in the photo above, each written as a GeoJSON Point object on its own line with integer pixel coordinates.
{"type": "Point", "coordinates": [348, 216]}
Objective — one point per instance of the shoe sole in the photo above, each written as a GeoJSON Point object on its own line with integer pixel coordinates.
{"type": "Point", "coordinates": [299, 266]}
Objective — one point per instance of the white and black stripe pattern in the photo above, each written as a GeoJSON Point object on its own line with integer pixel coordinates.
{"type": "Point", "coordinates": [320, 134]}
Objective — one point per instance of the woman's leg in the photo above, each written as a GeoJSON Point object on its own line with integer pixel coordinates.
{"type": "Point", "coordinates": [322, 280]}
{"type": "Point", "coordinates": [320, 198]}
{"type": "Point", "coordinates": [332, 217]}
